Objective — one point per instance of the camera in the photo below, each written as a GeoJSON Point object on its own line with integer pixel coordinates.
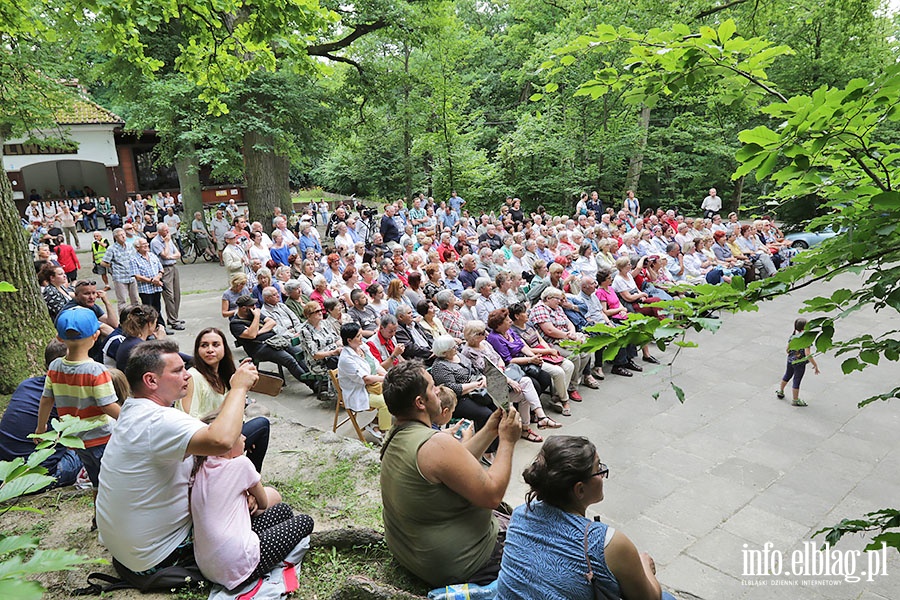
{"type": "Point", "coordinates": [368, 212]}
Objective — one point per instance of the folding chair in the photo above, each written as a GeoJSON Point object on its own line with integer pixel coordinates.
{"type": "Point", "coordinates": [339, 405]}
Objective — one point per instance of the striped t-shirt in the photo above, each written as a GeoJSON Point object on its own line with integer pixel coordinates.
{"type": "Point", "coordinates": [80, 389]}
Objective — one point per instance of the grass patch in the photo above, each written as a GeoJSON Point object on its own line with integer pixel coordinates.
{"type": "Point", "coordinates": [324, 569]}
{"type": "Point", "coordinates": [338, 490]}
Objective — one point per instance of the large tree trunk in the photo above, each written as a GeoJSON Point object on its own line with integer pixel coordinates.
{"type": "Point", "coordinates": [25, 326]}
{"type": "Point", "coordinates": [188, 167]}
{"type": "Point", "coordinates": [266, 176]}
{"type": "Point", "coordinates": [636, 164]}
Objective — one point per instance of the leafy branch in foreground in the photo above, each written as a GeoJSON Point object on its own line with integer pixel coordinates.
{"type": "Point", "coordinates": [834, 147]}
{"type": "Point", "coordinates": [20, 557]}
{"type": "Point", "coordinates": [879, 520]}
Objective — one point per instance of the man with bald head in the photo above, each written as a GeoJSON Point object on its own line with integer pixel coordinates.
{"type": "Point", "coordinates": [165, 248]}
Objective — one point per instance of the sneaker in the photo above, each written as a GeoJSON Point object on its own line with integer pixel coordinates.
{"type": "Point", "coordinates": [590, 382]}
{"type": "Point", "coordinates": [597, 372]}
{"type": "Point", "coordinates": [177, 327]}
{"type": "Point", "coordinates": [370, 429]}
{"type": "Point", "coordinates": [799, 402]}
{"type": "Point", "coordinates": [779, 394]}
{"type": "Point", "coordinates": [651, 359]}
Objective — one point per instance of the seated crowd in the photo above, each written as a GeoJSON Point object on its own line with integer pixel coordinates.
{"type": "Point", "coordinates": [411, 313]}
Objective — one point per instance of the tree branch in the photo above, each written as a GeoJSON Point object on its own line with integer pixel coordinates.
{"type": "Point", "coordinates": [358, 31]}
{"type": "Point", "coordinates": [715, 9]}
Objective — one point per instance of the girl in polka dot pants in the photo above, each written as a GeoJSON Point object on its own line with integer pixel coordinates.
{"type": "Point", "coordinates": [231, 545]}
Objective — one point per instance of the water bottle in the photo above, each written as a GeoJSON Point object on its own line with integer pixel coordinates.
{"type": "Point", "coordinates": [464, 591]}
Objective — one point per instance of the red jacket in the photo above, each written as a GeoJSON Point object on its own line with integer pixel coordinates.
{"type": "Point", "coordinates": [67, 259]}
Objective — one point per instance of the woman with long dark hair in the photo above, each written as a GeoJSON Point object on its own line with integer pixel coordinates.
{"type": "Point", "coordinates": [211, 380]}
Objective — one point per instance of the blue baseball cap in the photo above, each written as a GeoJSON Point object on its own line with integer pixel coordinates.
{"type": "Point", "coordinates": [77, 323]}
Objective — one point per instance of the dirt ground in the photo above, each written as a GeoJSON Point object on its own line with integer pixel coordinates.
{"type": "Point", "coordinates": [330, 477]}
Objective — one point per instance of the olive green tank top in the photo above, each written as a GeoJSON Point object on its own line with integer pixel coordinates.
{"type": "Point", "coordinates": [431, 530]}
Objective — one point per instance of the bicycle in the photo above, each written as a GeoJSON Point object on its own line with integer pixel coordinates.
{"type": "Point", "coordinates": [190, 251]}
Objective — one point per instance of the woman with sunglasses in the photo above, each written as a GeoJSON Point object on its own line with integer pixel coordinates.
{"type": "Point", "coordinates": [552, 528]}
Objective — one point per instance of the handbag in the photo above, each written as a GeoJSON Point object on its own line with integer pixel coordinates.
{"type": "Point", "coordinates": [514, 371]}
{"type": "Point", "coordinates": [600, 592]}
{"type": "Point", "coordinates": [278, 342]}
{"type": "Point", "coordinates": [480, 397]}
{"type": "Point", "coordinates": [531, 370]}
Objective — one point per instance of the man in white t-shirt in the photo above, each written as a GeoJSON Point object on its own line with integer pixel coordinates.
{"type": "Point", "coordinates": [143, 512]}
{"type": "Point", "coordinates": [712, 204]}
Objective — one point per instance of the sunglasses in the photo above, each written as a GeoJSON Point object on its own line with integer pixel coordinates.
{"type": "Point", "coordinates": [79, 284]}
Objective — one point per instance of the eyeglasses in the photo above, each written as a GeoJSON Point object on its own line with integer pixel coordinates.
{"type": "Point", "coordinates": [481, 333]}
{"type": "Point", "coordinates": [79, 284]}
{"type": "Point", "coordinates": [602, 472]}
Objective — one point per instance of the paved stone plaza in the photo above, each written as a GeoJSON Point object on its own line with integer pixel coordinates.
{"type": "Point", "coordinates": [693, 484]}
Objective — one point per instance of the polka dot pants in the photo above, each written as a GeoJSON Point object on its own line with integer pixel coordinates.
{"type": "Point", "coordinates": [279, 532]}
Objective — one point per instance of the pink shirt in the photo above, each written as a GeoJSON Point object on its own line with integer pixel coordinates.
{"type": "Point", "coordinates": [226, 549]}
{"type": "Point", "coordinates": [611, 299]}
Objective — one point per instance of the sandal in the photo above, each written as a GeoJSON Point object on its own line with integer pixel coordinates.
{"type": "Point", "coordinates": [799, 402]}
{"type": "Point", "coordinates": [566, 412]}
{"type": "Point", "coordinates": [548, 423]}
{"type": "Point", "coordinates": [779, 394]}
{"type": "Point", "coordinates": [528, 434]}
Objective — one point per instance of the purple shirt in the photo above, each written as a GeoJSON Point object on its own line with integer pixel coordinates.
{"type": "Point", "coordinates": [507, 349]}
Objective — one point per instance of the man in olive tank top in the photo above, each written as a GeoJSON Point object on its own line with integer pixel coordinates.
{"type": "Point", "coordinates": [438, 500]}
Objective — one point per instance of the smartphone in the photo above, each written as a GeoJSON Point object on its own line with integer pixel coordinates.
{"type": "Point", "coordinates": [466, 423]}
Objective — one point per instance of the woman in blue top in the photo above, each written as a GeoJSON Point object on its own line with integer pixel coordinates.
{"type": "Point", "coordinates": [544, 553]}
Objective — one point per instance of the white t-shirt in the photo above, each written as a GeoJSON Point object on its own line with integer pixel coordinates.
{"type": "Point", "coordinates": [142, 504]}
{"type": "Point", "coordinates": [226, 548]}
{"type": "Point", "coordinates": [624, 284]}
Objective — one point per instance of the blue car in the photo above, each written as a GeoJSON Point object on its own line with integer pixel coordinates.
{"type": "Point", "coordinates": [807, 239]}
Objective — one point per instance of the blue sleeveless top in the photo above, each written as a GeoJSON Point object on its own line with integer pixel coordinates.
{"type": "Point", "coordinates": [543, 556]}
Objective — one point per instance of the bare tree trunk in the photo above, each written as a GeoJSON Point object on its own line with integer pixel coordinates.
{"type": "Point", "coordinates": [636, 164]}
{"type": "Point", "coordinates": [735, 203]}
{"type": "Point", "coordinates": [188, 167]}
{"type": "Point", "coordinates": [25, 326]}
{"type": "Point", "coordinates": [266, 176]}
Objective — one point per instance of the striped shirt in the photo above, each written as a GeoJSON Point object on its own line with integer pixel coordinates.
{"type": "Point", "coordinates": [80, 389]}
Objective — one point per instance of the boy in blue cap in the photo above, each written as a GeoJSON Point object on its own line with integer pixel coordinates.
{"type": "Point", "coordinates": [80, 387]}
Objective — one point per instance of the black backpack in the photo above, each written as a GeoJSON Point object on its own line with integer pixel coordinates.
{"type": "Point", "coordinates": [163, 580]}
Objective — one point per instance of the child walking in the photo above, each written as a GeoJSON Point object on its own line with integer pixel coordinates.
{"type": "Point", "coordinates": [231, 545]}
{"type": "Point", "coordinates": [796, 365]}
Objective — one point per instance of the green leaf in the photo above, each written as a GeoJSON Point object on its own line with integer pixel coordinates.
{"type": "Point", "coordinates": [891, 539]}
{"type": "Point", "coordinates": [567, 60]}
{"type": "Point", "coordinates": [16, 542]}
{"type": "Point", "coordinates": [24, 485]}
{"type": "Point", "coordinates": [7, 287]}
{"type": "Point", "coordinates": [21, 589]}
{"type": "Point", "coordinates": [535, 97]}
{"type": "Point", "coordinates": [726, 30]}
{"type": "Point", "coordinates": [762, 136]}
{"type": "Point", "coordinates": [870, 356]}
{"type": "Point", "coordinates": [889, 200]}
{"type": "Point", "coordinates": [551, 87]}
{"type": "Point", "coordinates": [679, 393]}
{"type": "Point", "coordinates": [850, 365]}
